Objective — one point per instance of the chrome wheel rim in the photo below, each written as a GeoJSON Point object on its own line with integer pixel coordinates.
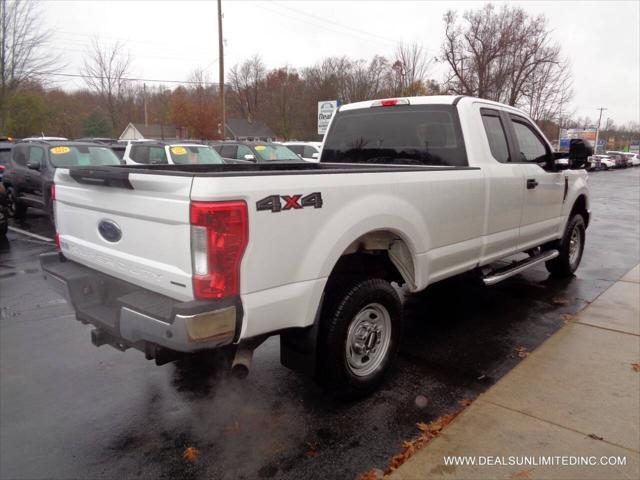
{"type": "Point", "coordinates": [575, 242]}
{"type": "Point", "coordinates": [368, 339]}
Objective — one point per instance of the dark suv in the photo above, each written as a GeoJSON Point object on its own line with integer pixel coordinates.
{"type": "Point", "coordinates": [29, 174]}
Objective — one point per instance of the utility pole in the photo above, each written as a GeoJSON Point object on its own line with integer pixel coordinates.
{"type": "Point", "coordinates": [144, 90]}
{"type": "Point", "coordinates": [595, 148]}
{"type": "Point", "coordinates": [223, 115]}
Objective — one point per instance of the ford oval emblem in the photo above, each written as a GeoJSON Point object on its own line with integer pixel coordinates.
{"type": "Point", "coordinates": [109, 230]}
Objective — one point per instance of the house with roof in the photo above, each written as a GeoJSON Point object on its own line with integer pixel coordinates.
{"type": "Point", "coordinates": [140, 131]}
{"type": "Point", "coordinates": [242, 129]}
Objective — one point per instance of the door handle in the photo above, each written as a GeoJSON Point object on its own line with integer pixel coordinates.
{"type": "Point", "coordinates": [531, 183]}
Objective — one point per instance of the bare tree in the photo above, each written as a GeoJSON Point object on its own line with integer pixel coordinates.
{"type": "Point", "coordinates": [505, 55]}
{"type": "Point", "coordinates": [247, 81]}
{"type": "Point", "coordinates": [22, 55]}
{"type": "Point", "coordinates": [409, 70]}
{"type": "Point", "coordinates": [105, 70]}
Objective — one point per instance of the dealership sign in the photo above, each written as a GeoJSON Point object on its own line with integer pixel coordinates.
{"type": "Point", "coordinates": [586, 134]}
{"type": "Point", "coordinates": [325, 112]}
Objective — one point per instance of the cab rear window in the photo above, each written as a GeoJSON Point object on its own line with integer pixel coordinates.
{"type": "Point", "coordinates": [398, 135]}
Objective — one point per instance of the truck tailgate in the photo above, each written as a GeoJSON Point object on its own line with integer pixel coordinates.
{"type": "Point", "coordinates": [137, 231]}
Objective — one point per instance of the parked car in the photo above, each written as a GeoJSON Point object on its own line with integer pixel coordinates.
{"type": "Point", "coordinates": [602, 162]}
{"type": "Point", "coordinates": [30, 172]}
{"type": "Point", "coordinates": [4, 212]}
{"type": "Point", "coordinates": [5, 154]}
{"type": "Point", "coordinates": [409, 190]}
{"type": "Point", "coordinates": [618, 158]}
{"type": "Point", "coordinates": [178, 153]}
{"type": "Point", "coordinates": [309, 151]}
{"type": "Point", "coordinates": [256, 152]}
{"type": "Point", "coordinates": [632, 159]}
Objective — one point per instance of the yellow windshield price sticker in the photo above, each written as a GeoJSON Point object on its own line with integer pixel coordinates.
{"type": "Point", "coordinates": [260, 148]}
{"type": "Point", "coordinates": [60, 150]}
{"type": "Point", "coordinates": [178, 150]}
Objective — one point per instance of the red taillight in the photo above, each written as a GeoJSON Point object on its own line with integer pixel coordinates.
{"type": "Point", "coordinates": [53, 191]}
{"type": "Point", "coordinates": [390, 102]}
{"type": "Point", "coordinates": [219, 236]}
{"type": "Point", "coordinates": [56, 239]}
{"type": "Point", "coordinates": [2, 167]}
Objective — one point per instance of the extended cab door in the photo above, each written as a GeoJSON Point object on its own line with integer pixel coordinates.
{"type": "Point", "coordinates": [543, 187]}
{"type": "Point", "coordinates": [505, 189]}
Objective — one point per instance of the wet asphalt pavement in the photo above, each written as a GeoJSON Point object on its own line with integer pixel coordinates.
{"type": "Point", "coordinates": [71, 410]}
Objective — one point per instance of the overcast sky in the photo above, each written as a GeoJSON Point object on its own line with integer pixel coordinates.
{"type": "Point", "coordinates": [169, 39]}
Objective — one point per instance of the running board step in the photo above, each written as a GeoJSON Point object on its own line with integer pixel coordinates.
{"type": "Point", "coordinates": [497, 276]}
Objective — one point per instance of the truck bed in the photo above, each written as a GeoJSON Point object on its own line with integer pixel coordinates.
{"type": "Point", "coordinates": [119, 174]}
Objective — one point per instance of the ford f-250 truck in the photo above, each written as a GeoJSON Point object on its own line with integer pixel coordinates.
{"type": "Point", "coordinates": [176, 259]}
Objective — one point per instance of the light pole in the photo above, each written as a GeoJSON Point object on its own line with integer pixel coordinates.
{"type": "Point", "coordinates": [223, 115]}
{"type": "Point", "coordinates": [595, 148]}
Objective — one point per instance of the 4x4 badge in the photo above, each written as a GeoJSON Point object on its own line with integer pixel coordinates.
{"type": "Point", "coordinates": [274, 203]}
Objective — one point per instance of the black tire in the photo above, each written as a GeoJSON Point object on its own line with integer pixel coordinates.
{"type": "Point", "coordinates": [4, 222]}
{"type": "Point", "coordinates": [17, 209]}
{"type": "Point", "coordinates": [352, 310]}
{"type": "Point", "coordinates": [569, 259]}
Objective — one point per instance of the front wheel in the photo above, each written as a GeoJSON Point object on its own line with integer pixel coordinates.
{"type": "Point", "coordinates": [571, 249]}
{"type": "Point", "coordinates": [360, 330]}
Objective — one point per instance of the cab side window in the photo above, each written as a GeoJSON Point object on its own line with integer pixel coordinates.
{"type": "Point", "coordinates": [20, 155]}
{"type": "Point", "coordinates": [36, 155]}
{"type": "Point", "coordinates": [242, 151]}
{"type": "Point", "coordinates": [228, 151]}
{"type": "Point", "coordinates": [308, 151]}
{"type": "Point", "coordinates": [297, 149]}
{"type": "Point", "coordinates": [496, 135]}
{"type": "Point", "coordinates": [530, 145]}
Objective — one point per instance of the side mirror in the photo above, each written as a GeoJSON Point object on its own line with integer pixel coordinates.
{"type": "Point", "coordinates": [579, 152]}
{"type": "Point", "coordinates": [249, 156]}
{"type": "Point", "coordinates": [315, 155]}
{"type": "Point", "coordinates": [33, 165]}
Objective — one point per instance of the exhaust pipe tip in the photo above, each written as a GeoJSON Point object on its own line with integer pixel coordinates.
{"type": "Point", "coordinates": [242, 362]}
{"type": "Point", "coordinates": [240, 371]}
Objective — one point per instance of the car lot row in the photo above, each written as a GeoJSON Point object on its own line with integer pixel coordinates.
{"type": "Point", "coordinates": [27, 167]}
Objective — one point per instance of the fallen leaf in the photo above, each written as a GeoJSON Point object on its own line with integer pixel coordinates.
{"type": "Point", "coordinates": [410, 447]}
{"type": "Point", "coordinates": [191, 454]}
{"type": "Point", "coordinates": [594, 436]}
{"type": "Point", "coordinates": [373, 474]}
{"type": "Point", "coordinates": [313, 450]}
{"type": "Point", "coordinates": [522, 352]}
{"type": "Point", "coordinates": [636, 367]}
{"type": "Point", "coordinates": [234, 427]}
{"type": "Point", "coordinates": [465, 402]}
{"type": "Point", "coordinates": [521, 474]}
{"type": "Point", "coordinates": [560, 301]}
{"type": "Point", "coordinates": [566, 317]}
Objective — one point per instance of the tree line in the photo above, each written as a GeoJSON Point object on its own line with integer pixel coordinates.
{"type": "Point", "coordinates": [502, 54]}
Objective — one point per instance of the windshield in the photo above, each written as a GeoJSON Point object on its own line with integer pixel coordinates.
{"type": "Point", "coordinates": [401, 135]}
{"type": "Point", "coordinates": [276, 153]}
{"type": "Point", "coordinates": [182, 155]}
{"type": "Point", "coordinates": [81, 155]}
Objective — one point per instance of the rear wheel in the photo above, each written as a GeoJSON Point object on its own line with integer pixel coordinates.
{"type": "Point", "coordinates": [571, 249]}
{"type": "Point", "coordinates": [16, 208]}
{"type": "Point", "coordinates": [360, 330]}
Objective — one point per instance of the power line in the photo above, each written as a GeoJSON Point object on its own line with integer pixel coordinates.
{"type": "Point", "coordinates": [78, 75]}
{"type": "Point", "coordinates": [315, 24]}
{"type": "Point", "coordinates": [334, 23]}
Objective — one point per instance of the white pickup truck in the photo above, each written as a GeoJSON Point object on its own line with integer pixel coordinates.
{"type": "Point", "coordinates": [177, 259]}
